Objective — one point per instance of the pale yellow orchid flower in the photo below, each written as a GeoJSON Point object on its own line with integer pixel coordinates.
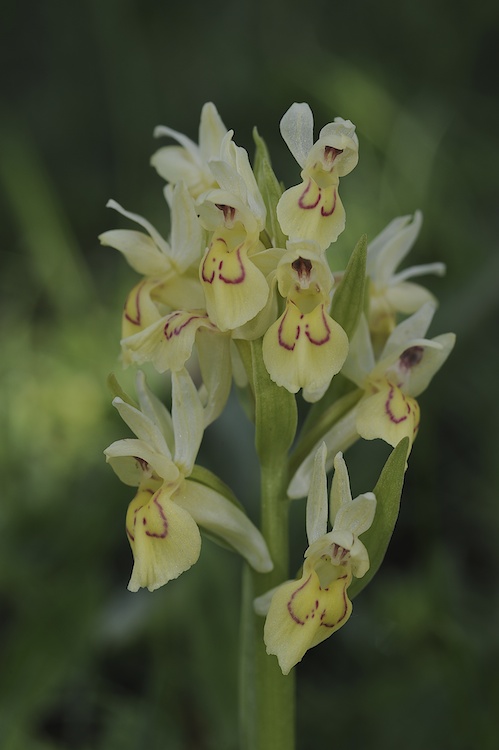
{"type": "Point", "coordinates": [305, 347]}
{"type": "Point", "coordinates": [235, 287]}
{"type": "Point", "coordinates": [304, 612]}
{"type": "Point", "coordinates": [313, 210]}
{"type": "Point", "coordinates": [163, 518]}
{"type": "Point", "coordinates": [389, 409]}
{"type": "Point", "coordinates": [189, 162]}
{"type": "Point", "coordinates": [391, 292]}
{"type": "Point", "coordinates": [170, 269]}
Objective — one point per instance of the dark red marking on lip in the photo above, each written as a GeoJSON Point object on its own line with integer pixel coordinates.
{"type": "Point", "coordinates": [292, 614]}
{"type": "Point", "coordinates": [164, 520]}
{"type": "Point", "coordinates": [135, 321]}
{"type": "Point", "coordinates": [327, 336]}
{"type": "Point", "coordinates": [237, 280]}
{"type": "Point", "coordinates": [345, 609]}
{"type": "Point", "coordinates": [393, 418]}
{"type": "Point", "coordinates": [280, 339]}
{"type": "Point", "coordinates": [171, 330]}
{"type": "Point", "coordinates": [301, 199]}
{"type": "Point", "coordinates": [129, 533]}
{"type": "Point", "coordinates": [209, 279]}
{"type": "Point", "coordinates": [242, 272]}
{"type": "Point", "coordinates": [329, 213]}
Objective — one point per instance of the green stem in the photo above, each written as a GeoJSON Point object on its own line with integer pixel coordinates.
{"type": "Point", "coordinates": [267, 696]}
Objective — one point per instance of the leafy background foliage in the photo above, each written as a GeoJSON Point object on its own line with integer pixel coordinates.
{"type": "Point", "coordinates": [87, 665]}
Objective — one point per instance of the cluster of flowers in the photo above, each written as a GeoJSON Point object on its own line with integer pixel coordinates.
{"type": "Point", "coordinates": [246, 261]}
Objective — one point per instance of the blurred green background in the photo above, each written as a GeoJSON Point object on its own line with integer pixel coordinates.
{"type": "Point", "coordinates": [83, 663]}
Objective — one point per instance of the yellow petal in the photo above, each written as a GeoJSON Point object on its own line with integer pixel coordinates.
{"type": "Point", "coordinates": [140, 311]}
{"type": "Point", "coordinates": [388, 414]}
{"type": "Point", "coordinates": [164, 538]}
{"type": "Point", "coordinates": [309, 212]}
{"type": "Point", "coordinates": [235, 289]}
{"type": "Point", "coordinates": [302, 614]}
{"type": "Point", "coordinates": [304, 350]}
{"type": "Point", "coordinates": [168, 343]}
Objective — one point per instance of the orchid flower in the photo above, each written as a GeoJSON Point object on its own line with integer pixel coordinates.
{"type": "Point", "coordinates": [189, 162]}
{"type": "Point", "coordinates": [313, 209]}
{"type": "Point", "coordinates": [388, 409]}
{"type": "Point", "coordinates": [304, 612]}
{"type": "Point", "coordinates": [305, 347]}
{"type": "Point", "coordinates": [170, 268]}
{"type": "Point", "coordinates": [235, 287]}
{"type": "Point", "coordinates": [162, 519]}
{"type": "Point", "coordinates": [391, 292]}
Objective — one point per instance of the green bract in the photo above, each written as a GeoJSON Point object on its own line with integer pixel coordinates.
{"type": "Point", "coordinates": [388, 490]}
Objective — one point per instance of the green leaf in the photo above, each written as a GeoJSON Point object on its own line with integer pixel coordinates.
{"type": "Point", "coordinates": [388, 491]}
{"type": "Point", "coordinates": [276, 414]}
{"type": "Point", "coordinates": [270, 189]}
{"type": "Point", "coordinates": [117, 391]}
{"type": "Point", "coordinates": [348, 299]}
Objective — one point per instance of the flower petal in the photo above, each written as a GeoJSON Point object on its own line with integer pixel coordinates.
{"type": "Point", "coordinates": [176, 164]}
{"type": "Point", "coordinates": [340, 488]}
{"type": "Point", "coordinates": [302, 615]}
{"type": "Point", "coordinates": [127, 456]}
{"type": "Point", "coordinates": [167, 343]}
{"type": "Point", "coordinates": [235, 289]}
{"type": "Point", "coordinates": [411, 328]}
{"type": "Point", "coordinates": [141, 252]}
{"type": "Point", "coordinates": [297, 130]}
{"type": "Point", "coordinates": [154, 409]}
{"type": "Point", "coordinates": [313, 213]}
{"type": "Point", "coordinates": [143, 427]}
{"type": "Point", "coordinates": [432, 360]}
{"type": "Point", "coordinates": [407, 298]}
{"type": "Point", "coordinates": [187, 238]}
{"type": "Point", "coordinates": [388, 414]}
{"type": "Point", "coordinates": [188, 420]}
{"type": "Point", "coordinates": [388, 250]}
{"type": "Point", "coordinates": [158, 239]}
{"type": "Point", "coordinates": [304, 350]}
{"type": "Point", "coordinates": [140, 311]}
{"type": "Point", "coordinates": [214, 355]}
{"type": "Point", "coordinates": [222, 518]}
{"type": "Point", "coordinates": [211, 132]}
{"type": "Point", "coordinates": [164, 538]}
{"type": "Point", "coordinates": [356, 516]}
{"type": "Point", "coordinates": [316, 519]}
